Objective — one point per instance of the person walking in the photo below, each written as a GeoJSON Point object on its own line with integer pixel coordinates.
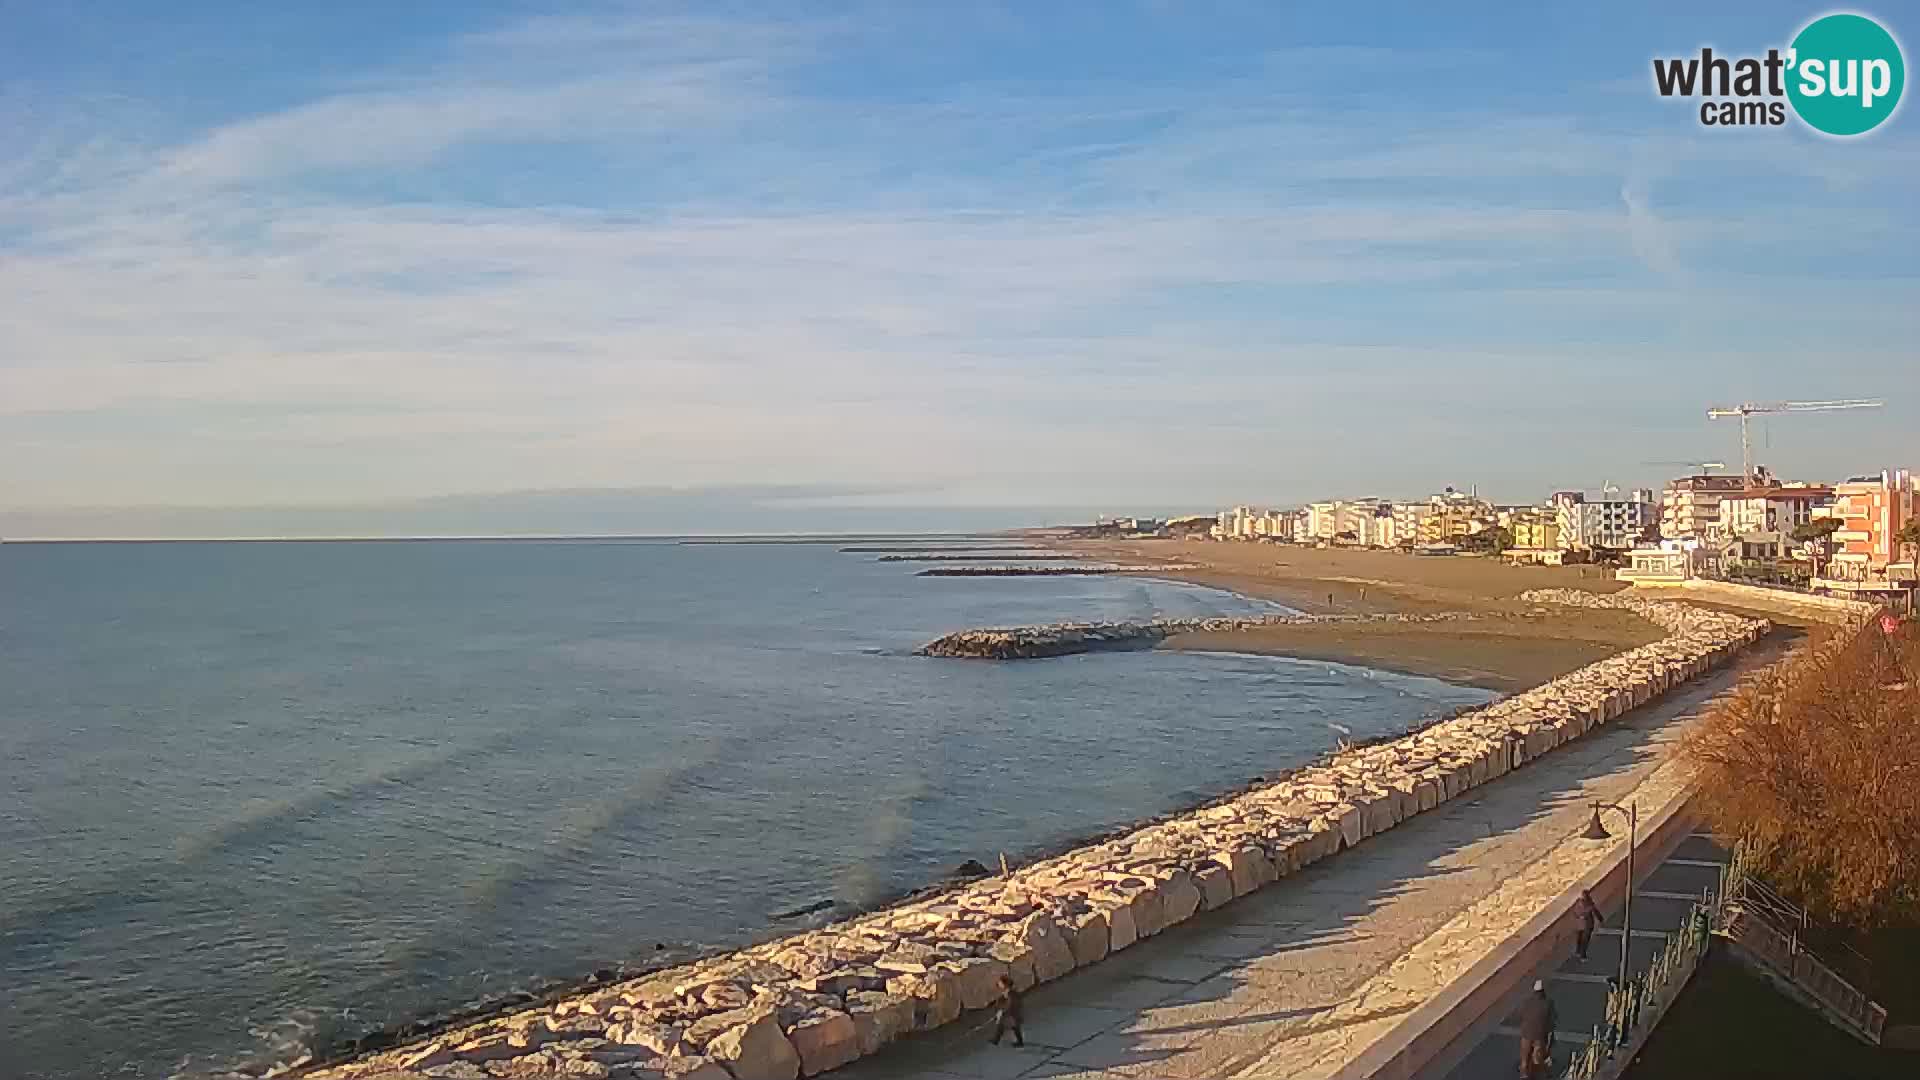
{"type": "Point", "coordinates": [1588, 914]}
{"type": "Point", "coordinates": [1537, 1018]}
{"type": "Point", "coordinates": [1011, 1014]}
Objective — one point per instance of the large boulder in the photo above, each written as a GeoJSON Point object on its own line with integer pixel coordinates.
{"type": "Point", "coordinates": [1179, 897]}
{"type": "Point", "coordinates": [661, 1039]}
{"type": "Point", "coordinates": [1248, 868]}
{"type": "Point", "coordinates": [1353, 825]}
{"type": "Point", "coordinates": [1089, 939]}
{"type": "Point", "coordinates": [1427, 790]}
{"type": "Point", "coordinates": [710, 1027]}
{"type": "Point", "coordinates": [1052, 955]}
{"type": "Point", "coordinates": [879, 1018]}
{"type": "Point", "coordinates": [756, 1050]}
{"type": "Point", "coordinates": [1120, 931]}
{"type": "Point", "coordinates": [1379, 813]}
{"type": "Point", "coordinates": [824, 1040]}
{"type": "Point", "coordinates": [1018, 958]}
{"type": "Point", "coordinates": [1149, 909]}
{"type": "Point", "coordinates": [1215, 885]}
{"type": "Point", "coordinates": [977, 979]}
{"type": "Point", "coordinates": [935, 994]}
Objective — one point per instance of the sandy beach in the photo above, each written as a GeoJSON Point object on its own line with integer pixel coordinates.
{"type": "Point", "coordinates": [1510, 646]}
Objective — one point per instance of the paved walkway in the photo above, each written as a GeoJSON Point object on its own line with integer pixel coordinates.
{"type": "Point", "coordinates": [1579, 988]}
{"type": "Point", "coordinates": [1293, 980]}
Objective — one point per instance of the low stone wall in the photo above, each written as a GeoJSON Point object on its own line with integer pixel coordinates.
{"type": "Point", "coordinates": [1065, 639]}
{"type": "Point", "coordinates": [808, 1003]}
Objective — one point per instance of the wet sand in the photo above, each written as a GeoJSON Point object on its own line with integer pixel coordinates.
{"type": "Point", "coordinates": [1511, 646]}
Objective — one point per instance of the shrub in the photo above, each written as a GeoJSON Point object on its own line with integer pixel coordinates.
{"type": "Point", "coordinates": [1817, 761]}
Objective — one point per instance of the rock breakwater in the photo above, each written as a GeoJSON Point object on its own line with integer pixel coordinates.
{"type": "Point", "coordinates": [1066, 639]}
{"type": "Point", "coordinates": [986, 558]}
{"type": "Point", "coordinates": [807, 1003]}
{"type": "Point", "coordinates": [1078, 570]}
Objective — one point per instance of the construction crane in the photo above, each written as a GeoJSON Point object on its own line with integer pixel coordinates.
{"type": "Point", "coordinates": [1706, 467]}
{"type": "Point", "coordinates": [1748, 409]}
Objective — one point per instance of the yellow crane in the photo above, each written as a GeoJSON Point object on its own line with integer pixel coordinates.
{"type": "Point", "coordinates": [1743, 411]}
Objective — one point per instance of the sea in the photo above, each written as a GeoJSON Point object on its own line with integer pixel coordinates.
{"type": "Point", "coordinates": [260, 799]}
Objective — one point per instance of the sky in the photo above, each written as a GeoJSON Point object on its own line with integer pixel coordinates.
{"type": "Point", "coordinates": [792, 264]}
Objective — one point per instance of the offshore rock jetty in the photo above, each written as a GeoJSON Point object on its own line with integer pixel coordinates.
{"type": "Point", "coordinates": [1066, 639]}
{"type": "Point", "coordinates": [1079, 570]}
{"type": "Point", "coordinates": [804, 1004]}
{"type": "Point", "coordinates": [982, 558]}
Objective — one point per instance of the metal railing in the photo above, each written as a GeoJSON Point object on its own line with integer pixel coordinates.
{"type": "Point", "coordinates": [1745, 910]}
{"type": "Point", "coordinates": [1772, 930]}
{"type": "Point", "coordinates": [1634, 1008]}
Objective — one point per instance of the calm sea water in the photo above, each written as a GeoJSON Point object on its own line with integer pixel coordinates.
{"type": "Point", "coordinates": [258, 794]}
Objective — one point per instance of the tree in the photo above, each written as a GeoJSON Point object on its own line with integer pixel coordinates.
{"type": "Point", "coordinates": [1816, 762]}
{"type": "Point", "coordinates": [1494, 538]}
{"type": "Point", "coordinates": [1818, 532]}
{"type": "Point", "coordinates": [1908, 537]}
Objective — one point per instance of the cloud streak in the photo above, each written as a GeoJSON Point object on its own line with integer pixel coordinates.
{"type": "Point", "coordinates": [616, 249]}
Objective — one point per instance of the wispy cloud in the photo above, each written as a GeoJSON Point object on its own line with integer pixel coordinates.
{"type": "Point", "coordinates": [595, 249]}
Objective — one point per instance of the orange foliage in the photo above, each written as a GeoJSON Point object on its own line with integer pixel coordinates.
{"type": "Point", "coordinates": [1818, 762]}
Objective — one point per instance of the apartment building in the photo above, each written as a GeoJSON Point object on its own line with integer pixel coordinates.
{"type": "Point", "coordinates": [1690, 505]}
{"type": "Point", "coordinates": [1535, 530]}
{"type": "Point", "coordinates": [1610, 521]}
{"type": "Point", "coordinates": [1871, 510]}
{"type": "Point", "coordinates": [1451, 515]}
{"type": "Point", "coordinates": [1323, 520]}
{"type": "Point", "coordinates": [1768, 509]}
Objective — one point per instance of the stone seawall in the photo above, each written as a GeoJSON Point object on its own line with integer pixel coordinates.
{"type": "Point", "coordinates": [1066, 639]}
{"type": "Point", "coordinates": [810, 1002]}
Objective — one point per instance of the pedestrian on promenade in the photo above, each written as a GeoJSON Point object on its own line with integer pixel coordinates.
{"type": "Point", "coordinates": [1537, 1019]}
{"type": "Point", "coordinates": [1588, 914]}
{"type": "Point", "coordinates": [1010, 1015]}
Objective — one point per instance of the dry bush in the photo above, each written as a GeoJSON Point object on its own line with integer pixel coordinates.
{"type": "Point", "coordinates": [1818, 762]}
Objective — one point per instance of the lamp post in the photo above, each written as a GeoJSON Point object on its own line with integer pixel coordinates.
{"type": "Point", "coordinates": [1597, 831]}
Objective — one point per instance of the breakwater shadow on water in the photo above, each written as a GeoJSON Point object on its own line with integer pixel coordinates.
{"type": "Point", "coordinates": [256, 824]}
{"type": "Point", "coordinates": [913, 799]}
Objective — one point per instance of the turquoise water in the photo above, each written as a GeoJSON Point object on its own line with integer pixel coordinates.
{"type": "Point", "coordinates": [259, 795]}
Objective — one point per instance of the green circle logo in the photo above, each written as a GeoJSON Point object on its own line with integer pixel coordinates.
{"type": "Point", "coordinates": [1845, 74]}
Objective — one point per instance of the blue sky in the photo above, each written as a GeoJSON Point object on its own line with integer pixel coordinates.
{"type": "Point", "coordinates": [1133, 255]}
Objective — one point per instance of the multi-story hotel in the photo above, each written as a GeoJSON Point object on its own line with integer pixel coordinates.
{"type": "Point", "coordinates": [1871, 510]}
{"type": "Point", "coordinates": [1690, 506]}
{"type": "Point", "coordinates": [1768, 509]}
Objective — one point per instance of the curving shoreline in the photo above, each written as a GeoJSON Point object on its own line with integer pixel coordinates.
{"type": "Point", "coordinates": [815, 1000]}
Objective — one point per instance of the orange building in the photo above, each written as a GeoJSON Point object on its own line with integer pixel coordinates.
{"type": "Point", "coordinates": [1871, 510]}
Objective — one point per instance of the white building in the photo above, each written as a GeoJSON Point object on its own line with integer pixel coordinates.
{"type": "Point", "coordinates": [1768, 509]}
{"type": "Point", "coordinates": [1609, 521]}
{"type": "Point", "coordinates": [1323, 520]}
{"type": "Point", "coordinates": [1690, 505]}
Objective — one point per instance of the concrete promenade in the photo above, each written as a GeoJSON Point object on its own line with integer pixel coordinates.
{"type": "Point", "coordinates": [1299, 979]}
{"type": "Point", "coordinates": [1579, 988]}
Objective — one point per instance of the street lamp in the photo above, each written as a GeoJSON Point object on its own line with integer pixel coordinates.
{"type": "Point", "coordinates": [1597, 831]}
